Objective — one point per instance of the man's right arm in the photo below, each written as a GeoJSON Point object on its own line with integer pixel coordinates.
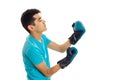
{"type": "Point", "coordinates": [61, 64]}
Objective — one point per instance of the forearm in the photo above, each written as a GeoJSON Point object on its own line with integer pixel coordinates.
{"type": "Point", "coordinates": [52, 70]}
{"type": "Point", "coordinates": [64, 46]}
{"type": "Point", "coordinates": [60, 47]}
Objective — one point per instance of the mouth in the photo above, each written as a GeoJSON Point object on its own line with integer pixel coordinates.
{"type": "Point", "coordinates": [44, 25]}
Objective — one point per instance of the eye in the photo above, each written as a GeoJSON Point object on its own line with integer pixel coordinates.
{"type": "Point", "coordinates": [40, 20]}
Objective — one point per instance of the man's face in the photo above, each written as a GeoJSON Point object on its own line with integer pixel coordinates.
{"type": "Point", "coordinates": [40, 25]}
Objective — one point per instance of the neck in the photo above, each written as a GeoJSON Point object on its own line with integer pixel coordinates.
{"type": "Point", "coordinates": [37, 36]}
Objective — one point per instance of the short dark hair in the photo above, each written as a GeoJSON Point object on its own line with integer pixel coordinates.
{"type": "Point", "coordinates": [27, 18]}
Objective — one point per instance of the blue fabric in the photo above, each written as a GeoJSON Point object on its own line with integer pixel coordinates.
{"type": "Point", "coordinates": [79, 26]}
{"type": "Point", "coordinates": [73, 49]}
{"type": "Point", "coordinates": [35, 52]}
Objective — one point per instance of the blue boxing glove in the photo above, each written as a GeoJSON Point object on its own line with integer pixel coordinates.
{"type": "Point", "coordinates": [71, 53]}
{"type": "Point", "coordinates": [79, 30]}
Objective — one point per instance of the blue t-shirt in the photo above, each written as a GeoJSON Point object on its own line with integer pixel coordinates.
{"type": "Point", "coordinates": [35, 52]}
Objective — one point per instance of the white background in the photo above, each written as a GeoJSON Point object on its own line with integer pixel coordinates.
{"type": "Point", "coordinates": [99, 53]}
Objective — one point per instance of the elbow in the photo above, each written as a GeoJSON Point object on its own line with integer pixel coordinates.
{"type": "Point", "coordinates": [47, 75]}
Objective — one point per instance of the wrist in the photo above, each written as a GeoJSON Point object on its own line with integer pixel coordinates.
{"type": "Point", "coordinates": [58, 65]}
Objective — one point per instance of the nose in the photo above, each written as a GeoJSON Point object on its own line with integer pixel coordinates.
{"type": "Point", "coordinates": [43, 21]}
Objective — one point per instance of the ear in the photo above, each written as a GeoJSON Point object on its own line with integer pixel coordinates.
{"type": "Point", "coordinates": [30, 27]}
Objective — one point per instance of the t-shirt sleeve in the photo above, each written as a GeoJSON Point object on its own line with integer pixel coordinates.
{"type": "Point", "coordinates": [35, 56]}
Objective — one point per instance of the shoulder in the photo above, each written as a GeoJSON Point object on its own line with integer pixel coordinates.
{"type": "Point", "coordinates": [46, 39]}
{"type": "Point", "coordinates": [44, 36]}
{"type": "Point", "coordinates": [30, 44]}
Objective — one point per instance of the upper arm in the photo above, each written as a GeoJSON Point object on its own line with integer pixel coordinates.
{"type": "Point", "coordinates": [35, 56]}
{"type": "Point", "coordinates": [37, 59]}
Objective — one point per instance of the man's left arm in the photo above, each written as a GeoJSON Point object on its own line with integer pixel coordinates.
{"type": "Point", "coordinates": [60, 47]}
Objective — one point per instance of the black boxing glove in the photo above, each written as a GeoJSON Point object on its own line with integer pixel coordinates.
{"type": "Point", "coordinates": [71, 53]}
{"type": "Point", "coordinates": [79, 30]}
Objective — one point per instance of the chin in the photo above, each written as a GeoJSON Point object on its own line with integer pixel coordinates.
{"type": "Point", "coordinates": [45, 30]}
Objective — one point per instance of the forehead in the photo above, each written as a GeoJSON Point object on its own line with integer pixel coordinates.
{"type": "Point", "coordinates": [38, 15]}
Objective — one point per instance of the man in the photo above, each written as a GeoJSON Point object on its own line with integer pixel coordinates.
{"type": "Point", "coordinates": [35, 52]}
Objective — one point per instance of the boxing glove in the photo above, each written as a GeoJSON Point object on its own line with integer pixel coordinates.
{"type": "Point", "coordinates": [71, 53]}
{"type": "Point", "coordinates": [79, 30]}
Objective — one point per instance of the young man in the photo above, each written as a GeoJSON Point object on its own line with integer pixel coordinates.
{"type": "Point", "coordinates": [35, 52]}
